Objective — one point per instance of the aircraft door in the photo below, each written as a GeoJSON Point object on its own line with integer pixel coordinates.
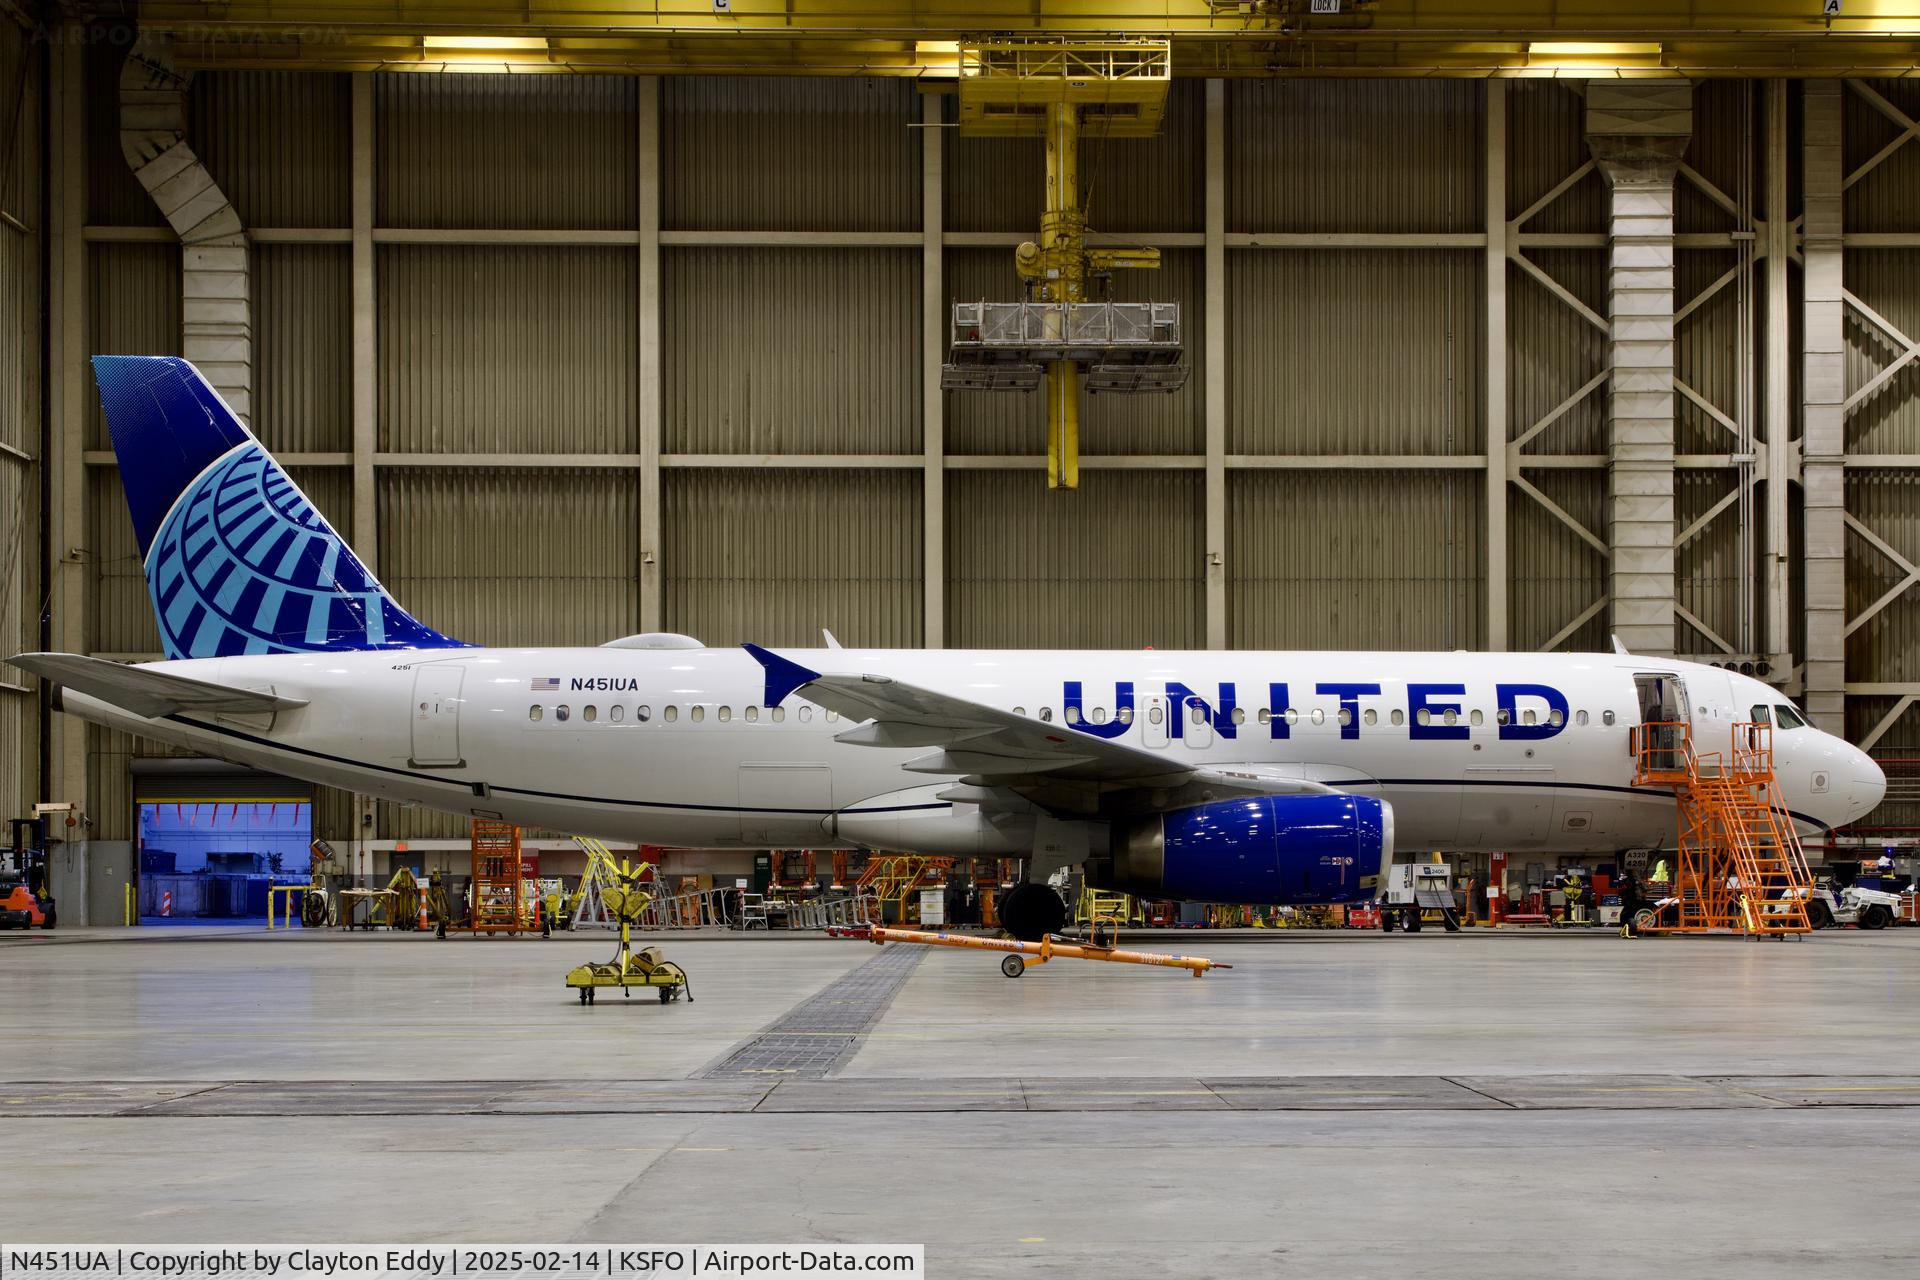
{"type": "Point", "coordinates": [1664, 707]}
{"type": "Point", "coordinates": [1153, 720]}
{"type": "Point", "coordinates": [1196, 725]}
{"type": "Point", "coordinates": [436, 716]}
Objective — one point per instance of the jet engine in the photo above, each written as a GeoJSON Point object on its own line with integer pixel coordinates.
{"type": "Point", "coordinates": [1269, 849]}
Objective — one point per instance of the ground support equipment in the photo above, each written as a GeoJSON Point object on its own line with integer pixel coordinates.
{"type": "Point", "coordinates": [647, 967]}
{"type": "Point", "coordinates": [1020, 956]}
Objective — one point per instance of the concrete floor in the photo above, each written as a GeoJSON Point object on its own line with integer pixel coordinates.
{"type": "Point", "coordinates": [1497, 1105]}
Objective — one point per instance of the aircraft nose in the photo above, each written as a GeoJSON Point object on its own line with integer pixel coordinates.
{"type": "Point", "coordinates": [1868, 787]}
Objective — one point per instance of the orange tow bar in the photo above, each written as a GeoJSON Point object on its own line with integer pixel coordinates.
{"type": "Point", "coordinates": [1021, 956]}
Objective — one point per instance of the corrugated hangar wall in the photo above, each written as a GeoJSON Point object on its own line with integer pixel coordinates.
{"type": "Point", "coordinates": [590, 355]}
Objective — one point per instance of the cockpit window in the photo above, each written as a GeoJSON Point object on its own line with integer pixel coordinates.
{"type": "Point", "coordinates": [1761, 714]}
{"type": "Point", "coordinates": [1786, 717]}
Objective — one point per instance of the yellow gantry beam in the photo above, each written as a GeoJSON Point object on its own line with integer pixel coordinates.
{"type": "Point", "coordinates": [905, 38]}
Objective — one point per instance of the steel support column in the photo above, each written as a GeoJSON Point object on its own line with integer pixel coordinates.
{"type": "Point", "coordinates": [1638, 131]}
{"type": "Point", "coordinates": [1498, 637]}
{"type": "Point", "coordinates": [933, 346]}
{"type": "Point", "coordinates": [365, 401]}
{"type": "Point", "coordinates": [69, 393]}
{"type": "Point", "coordinates": [1777, 404]}
{"type": "Point", "coordinates": [647, 358]}
{"type": "Point", "coordinates": [1214, 385]}
{"type": "Point", "coordinates": [1823, 388]}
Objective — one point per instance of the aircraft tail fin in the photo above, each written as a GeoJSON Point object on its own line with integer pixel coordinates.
{"type": "Point", "coordinates": [238, 560]}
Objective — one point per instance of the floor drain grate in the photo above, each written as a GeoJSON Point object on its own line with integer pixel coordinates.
{"type": "Point", "coordinates": [820, 1033]}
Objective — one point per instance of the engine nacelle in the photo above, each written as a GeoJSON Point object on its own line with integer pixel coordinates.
{"type": "Point", "coordinates": [1265, 849]}
{"type": "Point", "coordinates": [919, 819]}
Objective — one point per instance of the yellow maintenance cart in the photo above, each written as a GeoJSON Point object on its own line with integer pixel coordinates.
{"type": "Point", "coordinates": [627, 902]}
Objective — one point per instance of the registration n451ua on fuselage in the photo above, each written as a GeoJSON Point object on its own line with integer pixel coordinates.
{"type": "Point", "coordinates": [1237, 777]}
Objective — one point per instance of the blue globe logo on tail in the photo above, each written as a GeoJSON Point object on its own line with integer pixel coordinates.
{"type": "Point", "coordinates": [237, 559]}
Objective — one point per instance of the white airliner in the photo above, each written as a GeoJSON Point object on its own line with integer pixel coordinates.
{"type": "Point", "coordinates": [1231, 777]}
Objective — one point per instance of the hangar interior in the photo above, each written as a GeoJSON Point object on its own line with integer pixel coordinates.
{"type": "Point", "coordinates": [574, 356]}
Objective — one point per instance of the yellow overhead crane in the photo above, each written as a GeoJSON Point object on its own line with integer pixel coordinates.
{"type": "Point", "coordinates": [1062, 91]}
{"type": "Point", "coordinates": [916, 38]}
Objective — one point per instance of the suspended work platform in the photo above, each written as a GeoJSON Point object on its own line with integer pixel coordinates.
{"type": "Point", "coordinates": [1124, 346]}
{"type": "Point", "coordinates": [1740, 867]}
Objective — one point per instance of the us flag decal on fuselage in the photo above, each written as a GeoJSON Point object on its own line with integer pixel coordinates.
{"type": "Point", "coordinates": [544, 684]}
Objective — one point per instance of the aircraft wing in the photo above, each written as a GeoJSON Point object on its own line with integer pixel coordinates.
{"type": "Point", "coordinates": [146, 692]}
{"type": "Point", "coordinates": [986, 747]}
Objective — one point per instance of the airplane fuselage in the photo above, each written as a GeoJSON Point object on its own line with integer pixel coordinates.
{"type": "Point", "coordinates": [679, 746]}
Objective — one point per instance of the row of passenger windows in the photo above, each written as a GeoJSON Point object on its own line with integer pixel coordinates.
{"type": "Point", "coordinates": [697, 712]}
{"type": "Point", "coordinates": [618, 713]}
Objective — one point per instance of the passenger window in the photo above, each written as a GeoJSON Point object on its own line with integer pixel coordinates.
{"type": "Point", "coordinates": [1504, 717]}
{"type": "Point", "coordinates": [617, 713]}
{"type": "Point", "coordinates": [643, 713]}
{"type": "Point", "coordinates": [535, 711]}
{"type": "Point", "coordinates": [1556, 717]}
{"type": "Point", "coordinates": [1451, 715]}
{"type": "Point", "coordinates": [806, 713]}
{"type": "Point", "coordinates": [1477, 716]}
{"type": "Point", "coordinates": [779, 714]}
{"type": "Point", "coordinates": [726, 714]}
{"type": "Point", "coordinates": [1370, 716]}
{"type": "Point", "coordinates": [1580, 718]}
{"type": "Point", "coordinates": [697, 712]}
{"type": "Point", "coordinates": [1239, 715]}
{"type": "Point", "coordinates": [1532, 716]}
{"type": "Point", "coordinates": [1154, 715]}
{"type": "Point", "coordinates": [1197, 714]}
{"type": "Point", "coordinates": [560, 712]}
{"type": "Point", "coordinates": [1399, 717]}
{"type": "Point", "coordinates": [1346, 717]}
{"type": "Point", "coordinates": [1319, 716]}
{"type": "Point", "coordinates": [1423, 716]}
{"type": "Point", "coordinates": [753, 715]}
{"type": "Point", "coordinates": [1293, 716]}
{"type": "Point", "coordinates": [1019, 711]}
{"type": "Point", "coordinates": [670, 712]}
{"type": "Point", "coordinates": [1046, 713]}
{"type": "Point", "coordinates": [1265, 715]}
{"type": "Point", "coordinates": [1124, 715]}
{"type": "Point", "coordinates": [1071, 715]}
{"type": "Point", "coordinates": [832, 716]}
{"type": "Point", "coordinates": [1606, 717]}
{"type": "Point", "coordinates": [589, 713]}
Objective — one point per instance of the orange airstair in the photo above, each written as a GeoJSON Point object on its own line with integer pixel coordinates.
{"type": "Point", "coordinates": [1740, 867]}
{"type": "Point", "coordinates": [499, 889]}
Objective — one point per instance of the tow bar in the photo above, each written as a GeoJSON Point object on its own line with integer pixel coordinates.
{"type": "Point", "coordinates": [1018, 957]}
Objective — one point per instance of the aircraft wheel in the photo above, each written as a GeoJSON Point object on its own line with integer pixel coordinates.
{"type": "Point", "coordinates": [1013, 966]}
{"type": "Point", "coordinates": [1031, 911]}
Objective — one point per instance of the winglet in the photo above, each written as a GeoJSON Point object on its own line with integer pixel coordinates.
{"type": "Point", "coordinates": [783, 674]}
{"type": "Point", "coordinates": [1619, 648]}
{"type": "Point", "coordinates": [833, 641]}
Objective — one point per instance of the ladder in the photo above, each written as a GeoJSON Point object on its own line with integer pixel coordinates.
{"type": "Point", "coordinates": [1104, 907]}
{"type": "Point", "coordinates": [499, 893]}
{"type": "Point", "coordinates": [895, 878]}
{"type": "Point", "coordinates": [1740, 867]}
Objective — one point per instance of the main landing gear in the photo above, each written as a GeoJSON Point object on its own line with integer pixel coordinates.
{"type": "Point", "coordinates": [1032, 911]}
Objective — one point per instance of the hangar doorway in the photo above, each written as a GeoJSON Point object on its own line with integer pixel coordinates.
{"type": "Point", "coordinates": [210, 839]}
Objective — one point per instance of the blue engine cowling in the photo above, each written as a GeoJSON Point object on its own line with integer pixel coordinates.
{"type": "Point", "coordinates": [1265, 849]}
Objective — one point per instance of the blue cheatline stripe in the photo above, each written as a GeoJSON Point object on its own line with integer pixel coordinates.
{"type": "Point", "coordinates": [899, 808]}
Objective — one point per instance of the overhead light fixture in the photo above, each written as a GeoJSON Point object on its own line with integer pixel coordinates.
{"type": "Point", "coordinates": [490, 43]}
{"type": "Point", "coordinates": [1594, 49]}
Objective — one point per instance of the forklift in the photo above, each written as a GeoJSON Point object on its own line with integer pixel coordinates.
{"type": "Point", "coordinates": [25, 899]}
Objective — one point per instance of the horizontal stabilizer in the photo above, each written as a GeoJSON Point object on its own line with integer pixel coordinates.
{"type": "Point", "coordinates": [147, 692]}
